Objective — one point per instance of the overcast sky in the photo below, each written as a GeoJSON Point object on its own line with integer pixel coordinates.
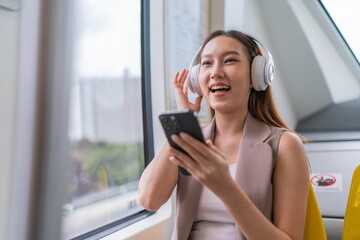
{"type": "Point", "coordinates": [108, 38]}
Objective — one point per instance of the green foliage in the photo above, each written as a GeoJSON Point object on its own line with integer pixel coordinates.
{"type": "Point", "coordinates": [95, 166]}
{"type": "Point", "coordinates": [121, 161]}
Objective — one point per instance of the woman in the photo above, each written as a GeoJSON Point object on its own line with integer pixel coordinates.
{"type": "Point", "coordinates": [251, 179]}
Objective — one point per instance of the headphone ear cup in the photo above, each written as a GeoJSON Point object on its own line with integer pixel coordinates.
{"type": "Point", "coordinates": [258, 73]}
{"type": "Point", "coordinates": [193, 81]}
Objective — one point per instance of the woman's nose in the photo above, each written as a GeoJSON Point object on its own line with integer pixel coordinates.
{"type": "Point", "coordinates": [217, 72]}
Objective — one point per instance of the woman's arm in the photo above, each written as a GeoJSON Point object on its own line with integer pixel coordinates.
{"type": "Point", "coordinates": [291, 185]}
{"type": "Point", "coordinates": [290, 182]}
{"type": "Point", "coordinates": [158, 180]}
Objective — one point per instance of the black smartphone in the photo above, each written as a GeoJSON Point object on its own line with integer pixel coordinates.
{"type": "Point", "coordinates": [174, 122]}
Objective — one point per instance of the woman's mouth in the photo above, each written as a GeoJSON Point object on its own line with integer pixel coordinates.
{"type": "Point", "coordinates": [219, 88]}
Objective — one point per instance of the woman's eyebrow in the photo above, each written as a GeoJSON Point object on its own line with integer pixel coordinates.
{"type": "Point", "coordinates": [223, 54]}
{"type": "Point", "coordinates": [231, 53]}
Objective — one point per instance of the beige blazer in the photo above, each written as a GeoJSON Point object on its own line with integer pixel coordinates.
{"type": "Point", "coordinates": [254, 170]}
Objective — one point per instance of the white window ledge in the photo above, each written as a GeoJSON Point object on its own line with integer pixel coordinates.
{"type": "Point", "coordinates": [157, 226]}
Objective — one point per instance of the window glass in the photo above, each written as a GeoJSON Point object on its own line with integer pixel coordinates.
{"type": "Point", "coordinates": [106, 155]}
{"type": "Point", "coordinates": [186, 27]}
{"type": "Point", "coordinates": [345, 15]}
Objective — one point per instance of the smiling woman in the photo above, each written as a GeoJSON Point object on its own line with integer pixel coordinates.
{"type": "Point", "coordinates": [242, 178]}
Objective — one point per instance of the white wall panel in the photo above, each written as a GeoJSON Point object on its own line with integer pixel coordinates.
{"type": "Point", "coordinates": [9, 23]}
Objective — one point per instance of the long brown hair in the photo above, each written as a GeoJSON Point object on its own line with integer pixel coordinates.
{"type": "Point", "coordinates": [261, 103]}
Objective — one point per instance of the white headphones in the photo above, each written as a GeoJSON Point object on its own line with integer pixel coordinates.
{"type": "Point", "coordinates": [262, 70]}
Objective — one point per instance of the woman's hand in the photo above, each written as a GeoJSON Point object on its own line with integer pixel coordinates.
{"type": "Point", "coordinates": [205, 162]}
{"type": "Point", "coordinates": [181, 93]}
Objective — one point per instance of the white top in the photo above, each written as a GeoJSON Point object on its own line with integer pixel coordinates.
{"type": "Point", "coordinates": [213, 221]}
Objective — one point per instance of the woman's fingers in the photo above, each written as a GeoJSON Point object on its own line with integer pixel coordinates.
{"type": "Point", "coordinates": [186, 87]}
{"type": "Point", "coordinates": [182, 163]}
{"type": "Point", "coordinates": [183, 76]}
{"type": "Point", "coordinates": [197, 104]}
{"type": "Point", "coordinates": [180, 78]}
{"type": "Point", "coordinates": [211, 145]}
{"type": "Point", "coordinates": [205, 162]}
{"type": "Point", "coordinates": [197, 150]}
{"type": "Point", "coordinates": [181, 92]}
{"type": "Point", "coordinates": [183, 160]}
{"type": "Point", "coordinates": [175, 79]}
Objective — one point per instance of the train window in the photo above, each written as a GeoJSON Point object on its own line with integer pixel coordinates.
{"type": "Point", "coordinates": [338, 121]}
{"type": "Point", "coordinates": [109, 139]}
{"type": "Point", "coordinates": [345, 17]}
{"type": "Point", "coordinates": [182, 18]}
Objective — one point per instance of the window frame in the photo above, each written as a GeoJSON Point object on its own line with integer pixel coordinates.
{"type": "Point", "coordinates": [146, 82]}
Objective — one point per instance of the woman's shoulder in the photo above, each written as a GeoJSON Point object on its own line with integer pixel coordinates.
{"type": "Point", "coordinates": [291, 144]}
{"type": "Point", "coordinates": [289, 139]}
{"type": "Point", "coordinates": [292, 156]}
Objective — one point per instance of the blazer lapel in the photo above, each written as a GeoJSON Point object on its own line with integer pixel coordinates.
{"type": "Point", "coordinates": [255, 156]}
{"type": "Point", "coordinates": [188, 196]}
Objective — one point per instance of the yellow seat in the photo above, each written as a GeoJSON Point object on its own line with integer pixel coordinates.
{"type": "Point", "coordinates": [351, 228]}
{"type": "Point", "coordinates": [314, 225]}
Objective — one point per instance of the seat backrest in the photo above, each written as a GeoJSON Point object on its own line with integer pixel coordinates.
{"type": "Point", "coordinates": [314, 225]}
{"type": "Point", "coordinates": [351, 228]}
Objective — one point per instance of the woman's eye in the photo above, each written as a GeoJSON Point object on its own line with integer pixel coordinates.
{"type": "Point", "coordinates": [205, 63]}
{"type": "Point", "coordinates": [229, 60]}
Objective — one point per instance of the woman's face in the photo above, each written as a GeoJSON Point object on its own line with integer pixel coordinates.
{"type": "Point", "coordinates": [224, 75]}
